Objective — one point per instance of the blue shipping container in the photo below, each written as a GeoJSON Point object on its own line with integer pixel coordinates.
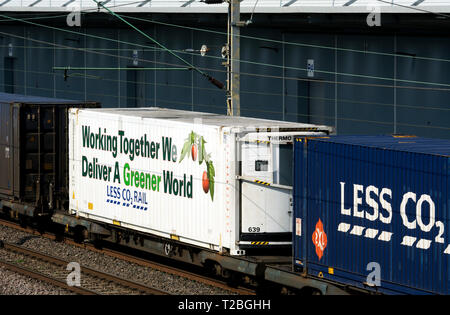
{"type": "Point", "coordinates": [373, 212]}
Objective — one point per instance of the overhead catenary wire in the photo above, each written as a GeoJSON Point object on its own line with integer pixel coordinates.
{"type": "Point", "coordinates": [42, 16]}
{"type": "Point", "coordinates": [118, 68]}
{"type": "Point", "coordinates": [413, 8]}
{"type": "Point", "coordinates": [243, 61]}
{"type": "Point", "coordinates": [171, 102]}
{"type": "Point", "coordinates": [367, 52]}
{"type": "Point", "coordinates": [210, 78]}
{"type": "Point", "coordinates": [191, 67]}
{"type": "Point", "coordinates": [94, 10]}
{"type": "Point", "coordinates": [241, 73]}
{"type": "Point", "coordinates": [244, 73]}
{"type": "Point", "coordinates": [331, 82]}
{"type": "Point", "coordinates": [282, 42]}
{"type": "Point", "coordinates": [258, 110]}
{"type": "Point", "coordinates": [244, 91]}
{"type": "Point", "coordinates": [255, 63]}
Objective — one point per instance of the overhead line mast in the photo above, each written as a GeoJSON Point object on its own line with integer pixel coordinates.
{"type": "Point", "coordinates": [233, 53]}
{"type": "Point", "coordinates": [233, 57]}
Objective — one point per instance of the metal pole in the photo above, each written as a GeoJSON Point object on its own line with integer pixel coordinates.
{"type": "Point", "coordinates": [235, 52]}
{"type": "Point", "coordinates": [335, 84]}
{"type": "Point", "coordinates": [228, 64]}
{"type": "Point", "coordinates": [395, 84]}
{"type": "Point", "coordinates": [284, 74]}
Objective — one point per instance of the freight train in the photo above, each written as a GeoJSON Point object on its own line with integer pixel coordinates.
{"type": "Point", "coordinates": [278, 204]}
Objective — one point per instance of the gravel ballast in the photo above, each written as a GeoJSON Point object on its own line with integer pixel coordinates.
{"type": "Point", "coordinates": [12, 283]}
{"type": "Point", "coordinates": [149, 276]}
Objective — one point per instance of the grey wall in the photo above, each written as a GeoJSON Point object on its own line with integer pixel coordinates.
{"type": "Point", "coordinates": [340, 94]}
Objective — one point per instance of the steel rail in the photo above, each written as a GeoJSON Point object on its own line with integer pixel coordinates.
{"type": "Point", "coordinates": [86, 271]}
{"type": "Point", "coordinates": [174, 271]}
{"type": "Point", "coordinates": [136, 260]}
{"type": "Point", "coordinates": [44, 278]}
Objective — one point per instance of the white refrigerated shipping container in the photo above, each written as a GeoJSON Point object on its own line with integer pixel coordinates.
{"type": "Point", "coordinates": [218, 182]}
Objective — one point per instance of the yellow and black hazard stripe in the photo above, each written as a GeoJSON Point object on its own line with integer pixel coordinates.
{"type": "Point", "coordinates": [259, 243]}
{"type": "Point", "coordinates": [261, 182]}
{"type": "Point", "coordinates": [404, 136]}
{"type": "Point", "coordinates": [286, 129]}
{"type": "Point", "coordinates": [309, 138]}
{"type": "Point", "coordinates": [258, 141]}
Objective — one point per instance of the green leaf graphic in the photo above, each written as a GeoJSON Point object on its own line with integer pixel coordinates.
{"type": "Point", "coordinates": [201, 150]}
{"type": "Point", "coordinates": [210, 173]}
{"type": "Point", "coordinates": [211, 188]}
{"type": "Point", "coordinates": [185, 150]}
{"type": "Point", "coordinates": [213, 172]}
{"type": "Point", "coordinates": [192, 139]}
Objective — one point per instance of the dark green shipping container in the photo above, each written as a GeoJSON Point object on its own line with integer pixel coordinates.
{"type": "Point", "coordinates": [33, 153]}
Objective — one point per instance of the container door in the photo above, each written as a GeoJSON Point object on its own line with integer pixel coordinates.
{"type": "Point", "coordinates": [299, 220]}
{"type": "Point", "coordinates": [6, 155]}
{"type": "Point", "coordinates": [49, 152]}
{"type": "Point", "coordinates": [37, 173]}
{"type": "Point", "coordinates": [266, 204]}
{"type": "Point", "coordinates": [16, 144]}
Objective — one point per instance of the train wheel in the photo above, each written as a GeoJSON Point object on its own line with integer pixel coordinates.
{"type": "Point", "coordinates": [98, 242]}
{"type": "Point", "coordinates": [23, 221]}
{"type": "Point", "coordinates": [80, 234]}
{"type": "Point", "coordinates": [233, 279]}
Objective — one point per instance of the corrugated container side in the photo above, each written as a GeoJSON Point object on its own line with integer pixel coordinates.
{"type": "Point", "coordinates": [6, 150]}
{"type": "Point", "coordinates": [33, 149]}
{"type": "Point", "coordinates": [374, 213]}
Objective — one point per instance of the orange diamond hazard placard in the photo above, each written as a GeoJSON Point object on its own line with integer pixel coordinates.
{"type": "Point", "coordinates": [319, 239]}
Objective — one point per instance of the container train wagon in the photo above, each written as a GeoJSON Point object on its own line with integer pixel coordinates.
{"type": "Point", "coordinates": [207, 189]}
{"type": "Point", "coordinates": [218, 182]}
{"type": "Point", "coordinates": [114, 167]}
{"type": "Point", "coordinates": [33, 154]}
{"type": "Point", "coordinates": [373, 212]}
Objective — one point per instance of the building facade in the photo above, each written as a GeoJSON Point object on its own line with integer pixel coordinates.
{"type": "Point", "coordinates": [360, 68]}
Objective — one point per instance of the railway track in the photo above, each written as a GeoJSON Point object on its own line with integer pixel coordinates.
{"type": "Point", "coordinates": [136, 260]}
{"type": "Point", "coordinates": [54, 270]}
{"type": "Point", "coordinates": [175, 271]}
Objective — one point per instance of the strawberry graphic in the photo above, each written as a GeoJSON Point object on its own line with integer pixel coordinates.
{"type": "Point", "coordinates": [194, 152]}
{"type": "Point", "coordinates": [205, 182]}
{"type": "Point", "coordinates": [196, 144]}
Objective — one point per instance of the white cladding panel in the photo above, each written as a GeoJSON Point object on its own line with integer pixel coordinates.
{"type": "Point", "coordinates": [191, 214]}
{"type": "Point", "coordinates": [247, 6]}
{"type": "Point", "coordinates": [266, 209]}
